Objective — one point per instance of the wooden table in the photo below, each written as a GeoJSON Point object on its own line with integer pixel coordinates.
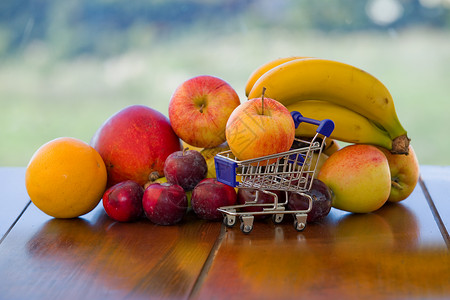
{"type": "Point", "coordinates": [399, 252]}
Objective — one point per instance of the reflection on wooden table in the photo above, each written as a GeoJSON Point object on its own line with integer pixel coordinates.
{"type": "Point", "coordinates": [399, 251]}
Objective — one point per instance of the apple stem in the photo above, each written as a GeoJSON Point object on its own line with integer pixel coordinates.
{"type": "Point", "coordinates": [153, 176]}
{"type": "Point", "coordinates": [262, 100]}
{"type": "Point", "coordinates": [201, 107]}
{"type": "Point", "coordinates": [184, 150]}
{"type": "Point", "coordinates": [396, 185]}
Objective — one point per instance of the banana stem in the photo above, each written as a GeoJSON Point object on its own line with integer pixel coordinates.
{"type": "Point", "coordinates": [400, 145]}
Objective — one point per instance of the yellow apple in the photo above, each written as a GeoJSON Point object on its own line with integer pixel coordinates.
{"type": "Point", "coordinates": [404, 173]}
{"type": "Point", "coordinates": [359, 178]}
{"type": "Point", "coordinates": [259, 127]}
{"type": "Point", "coordinates": [199, 109]}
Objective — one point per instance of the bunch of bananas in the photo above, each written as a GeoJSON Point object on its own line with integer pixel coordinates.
{"type": "Point", "coordinates": [359, 104]}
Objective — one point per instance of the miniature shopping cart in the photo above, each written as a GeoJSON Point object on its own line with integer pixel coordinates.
{"type": "Point", "coordinates": [290, 171]}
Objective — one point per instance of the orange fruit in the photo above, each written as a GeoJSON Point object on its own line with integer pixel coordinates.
{"type": "Point", "coordinates": [66, 178]}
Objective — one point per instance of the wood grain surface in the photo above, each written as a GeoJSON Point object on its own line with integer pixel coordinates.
{"type": "Point", "coordinates": [435, 181]}
{"type": "Point", "coordinates": [14, 199]}
{"type": "Point", "coordinates": [398, 252]}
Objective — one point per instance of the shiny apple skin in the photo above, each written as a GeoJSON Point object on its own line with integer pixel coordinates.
{"type": "Point", "coordinates": [209, 195]}
{"type": "Point", "coordinates": [260, 127]}
{"type": "Point", "coordinates": [123, 201]}
{"type": "Point", "coordinates": [134, 142]}
{"type": "Point", "coordinates": [405, 173]}
{"type": "Point", "coordinates": [185, 168]}
{"type": "Point", "coordinates": [199, 109]}
{"type": "Point", "coordinates": [359, 178]}
{"type": "Point", "coordinates": [165, 203]}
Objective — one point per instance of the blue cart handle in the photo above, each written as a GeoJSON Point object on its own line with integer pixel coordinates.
{"type": "Point", "coordinates": [325, 127]}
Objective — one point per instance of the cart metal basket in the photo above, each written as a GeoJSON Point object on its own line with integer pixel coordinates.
{"type": "Point", "coordinates": [292, 171]}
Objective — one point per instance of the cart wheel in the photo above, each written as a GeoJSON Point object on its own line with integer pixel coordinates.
{"type": "Point", "coordinates": [299, 226]}
{"type": "Point", "coordinates": [246, 223]}
{"type": "Point", "coordinates": [277, 218]}
{"type": "Point", "coordinates": [246, 228]}
{"type": "Point", "coordinates": [229, 221]}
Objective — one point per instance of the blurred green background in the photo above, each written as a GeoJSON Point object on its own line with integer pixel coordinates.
{"type": "Point", "coordinates": [66, 66]}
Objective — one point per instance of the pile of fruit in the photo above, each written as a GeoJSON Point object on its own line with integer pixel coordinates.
{"type": "Point", "coordinates": [143, 164]}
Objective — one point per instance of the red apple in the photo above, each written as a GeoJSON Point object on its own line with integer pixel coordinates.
{"type": "Point", "coordinates": [135, 142]}
{"type": "Point", "coordinates": [123, 201]}
{"type": "Point", "coordinates": [185, 168]}
{"type": "Point", "coordinates": [165, 203]}
{"type": "Point", "coordinates": [404, 173]}
{"type": "Point", "coordinates": [209, 195]}
{"type": "Point", "coordinates": [199, 110]}
{"type": "Point", "coordinates": [260, 127]}
{"type": "Point", "coordinates": [359, 178]}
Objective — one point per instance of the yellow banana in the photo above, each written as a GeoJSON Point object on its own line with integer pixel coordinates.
{"type": "Point", "coordinates": [331, 146]}
{"type": "Point", "coordinates": [336, 82]}
{"type": "Point", "coordinates": [318, 161]}
{"type": "Point", "coordinates": [350, 127]}
{"type": "Point", "coordinates": [264, 68]}
{"type": "Point", "coordinates": [208, 154]}
{"type": "Point", "coordinates": [186, 145]}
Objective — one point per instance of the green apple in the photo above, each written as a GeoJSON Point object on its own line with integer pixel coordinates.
{"type": "Point", "coordinates": [404, 173]}
{"type": "Point", "coordinates": [359, 178]}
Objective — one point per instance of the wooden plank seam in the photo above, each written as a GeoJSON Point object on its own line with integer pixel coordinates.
{"type": "Point", "coordinates": [15, 222]}
{"type": "Point", "coordinates": [208, 263]}
{"type": "Point", "coordinates": [435, 213]}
